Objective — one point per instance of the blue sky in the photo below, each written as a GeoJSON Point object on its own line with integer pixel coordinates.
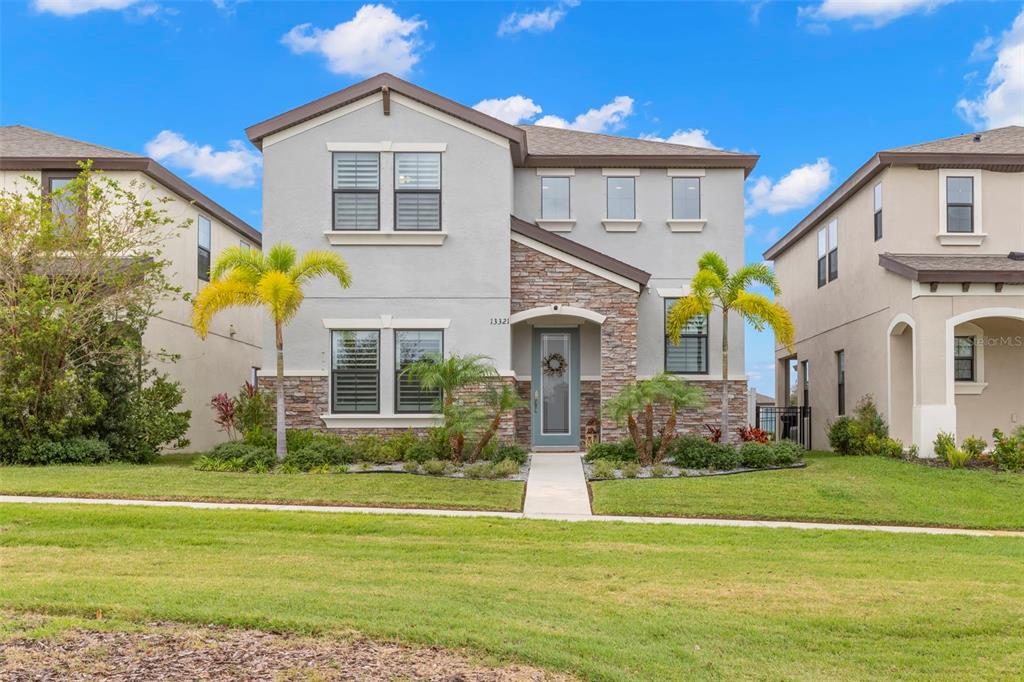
{"type": "Point", "coordinates": [813, 87]}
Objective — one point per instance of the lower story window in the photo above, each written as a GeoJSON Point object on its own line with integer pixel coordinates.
{"type": "Point", "coordinates": [412, 346]}
{"type": "Point", "coordinates": [690, 355]}
{"type": "Point", "coordinates": [355, 371]}
{"type": "Point", "coordinates": [841, 382]}
{"type": "Point", "coordinates": [963, 358]}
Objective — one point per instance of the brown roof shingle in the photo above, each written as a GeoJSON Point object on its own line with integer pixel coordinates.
{"type": "Point", "coordinates": [955, 268]}
{"type": "Point", "coordinates": [19, 140]}
{"type": "Point", "coordinates": [1007, 140]}
{"type": "Point", "coordinates": [542, 140]}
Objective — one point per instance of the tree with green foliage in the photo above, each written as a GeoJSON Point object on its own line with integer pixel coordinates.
{"type": "Point", "coordinates": [501, 400]}
{"type": "Point", "coordinates": [714, 287]}
{"type": "Point", "coordinates": [639, 400]}
{"type": "Point", "coordinates": [272, 281]}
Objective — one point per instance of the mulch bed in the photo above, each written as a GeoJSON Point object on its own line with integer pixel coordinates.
{"type": "Point", "coordinates": [166, 651]}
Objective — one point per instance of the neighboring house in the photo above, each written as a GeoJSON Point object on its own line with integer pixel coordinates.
{"type": "Point", "coordinates": [231, 353]}
{"type": "Point", "coordinates": [553, 252]}
{"type": "Point", "coordinates": [907, 283]}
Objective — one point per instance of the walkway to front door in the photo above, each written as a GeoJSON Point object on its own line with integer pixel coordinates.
{"type": "Point", "coordinates": [557, 485]}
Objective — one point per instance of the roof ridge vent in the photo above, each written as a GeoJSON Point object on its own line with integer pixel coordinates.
{"type": "Point", "coordinates": [977, 137]}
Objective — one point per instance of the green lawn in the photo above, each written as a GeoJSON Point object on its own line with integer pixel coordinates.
{"type": "Point", "coordinates": [174, 479]}
{"type": "Point", "coordinates": [831, 488]}
{"type": "Point", "coordinates": [604, 601]}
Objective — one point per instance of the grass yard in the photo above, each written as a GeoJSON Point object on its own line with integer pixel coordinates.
{"type": "Point", "coordinates": [603, 601]}
{"type": "Point", "coordinates": [831, 488]}
{"type": "Point", "coordinates": [175, 479]}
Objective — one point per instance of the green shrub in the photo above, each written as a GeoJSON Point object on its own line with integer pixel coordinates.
{"type": "Point", "coordinates": [306, 459]}
{"type": "Point", "coordinates": [440, 442]}
{"type": "Point", "coordinates": [694, 452]}
{"type": "Point", "coordinates": [756, 455]}
{"type": "Point", "coordinates": [882, 446]}
{"type": "Point", "coordinates": [253, 409]}
{"type": "Point", "coordinates": [842, 436]}
{"type": "Point", "coordinates": [261, 437]}
{"type": "Point", "coordinates": [239, 456]}
{"type": "Point", "coordinates": [77, 450]}
{"type": "Point", "coordinates": [435, 467]}
{"type": "Point", "coordinates": [372, 448]}
{"type": "Point", "coordinates": [420, 451]}
{"type": "Point", "coordinates": [479, 470]}
{"type": "Point", "coordinates": [411, 466]}
{"type": "Point", "coordinates": [513, 451]}
{"type": "Point", "coordinates": [786, 452]}
{"type": "Point", "coordinates": [943, 441]}
{"type": "Point", "coordinates": [630, 469]}
{"type": "Point", "coordinates": [974, 446]}
{"type": "Point", "coordinates": [957, 458]}
{"type": "Point", "coordinates": [396, 448]}
{"type": "Point", "coordinates": [621, 451]}
{"type": "Point", "coordinates": [1008, 450]}
{"type": "Point", "coordinates": [726, 458]}
{"type": "Point", "coordinates": [602, 468]}
{"type": "Point", "coordinates": [848, 435]}
{"type": "Point", "coordinates": [660, 470]}
{"type": "Point", "coordinates": [505, 468]}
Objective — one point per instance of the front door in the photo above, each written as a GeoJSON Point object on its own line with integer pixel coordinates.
{"type": "Point", "coordinates": [555, 387]}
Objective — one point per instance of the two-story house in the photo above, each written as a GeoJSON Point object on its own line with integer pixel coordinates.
{"type": "Point", "coordinates": [553, 252]}
{"type": "Point", "coordinates": [907, 283]}
{"type": "Point", "coordinates": [231, 352]}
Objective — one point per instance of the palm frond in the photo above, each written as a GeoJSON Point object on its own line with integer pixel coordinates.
{"type": "Point", "coordinates": [715, 263]}
{"type": "Point", "coordinates": [754, 273]}
{"type": "Point", "coordinates": [666, 388]}
{"type": "Point", "coordinates": [281, 257]}
{"type": "Point", "coordinates": [317, 263]}
{"type": "Point", "coordinates": [280, 295]}
{"type": "Point", "coordinates": [249, 263]}
{"type": "Point", "coordinates": [762, 312]}
{"type": "Point", "coordinates": [707, 283]}
{"type": "Point", "coordinates": [219, 295]}
{"type": "Point", "coordinates": [684, 310]}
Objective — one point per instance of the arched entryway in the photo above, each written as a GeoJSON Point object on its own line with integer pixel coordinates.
{"type": "Point", "coordinates": [902, 393]}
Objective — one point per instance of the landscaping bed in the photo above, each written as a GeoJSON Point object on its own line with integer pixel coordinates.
{"type": "Point", "coordinates": [98, 650]}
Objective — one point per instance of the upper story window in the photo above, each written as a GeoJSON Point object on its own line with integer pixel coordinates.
{"type": "Point", "coordinates": [959, 204]}
{"type": "Point", "coordinates": [828, 252]}
{"type": "Point", "coordinates": [355, 371]}
{"type": "Point", "coordinates": [685, 198]}
{"type": "Point", "coordinates": [621, 198]}
{"type": "Point", "coordinates": [356, 190]}
{"type": "Point", "coordinates": [417, 191]}
{"type": "Point", "coordinates": [554, 198]}
{"type": "Point", "coordinates": [878, 211]}
{"type": "Point", "coordinates": [244, 244]}
{"type": "Point", "coordinates": [690, 355]}
{"type": "Point", "coordinates": [411, 346]}
{"type": "Point", "coordinates": [203, 254]}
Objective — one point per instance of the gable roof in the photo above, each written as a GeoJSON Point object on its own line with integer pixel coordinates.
{"type": "Point", "coordinates": [24, 149]}
{"type": "Point", "coordinates": [535, 146]}
{"type": "Point", "coordinates": [1000, 149]}
{"type": "Point", "coordinates": [955, 267]}
{"type": "Point", "coordinates": [573, 248]}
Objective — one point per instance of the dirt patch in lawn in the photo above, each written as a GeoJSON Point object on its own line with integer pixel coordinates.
{"type": "Point", "coordinates": [165, 652]}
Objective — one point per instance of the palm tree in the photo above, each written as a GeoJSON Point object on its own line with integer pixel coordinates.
{"type": "Point", "coordinates": [502, 400]}
{"type": "Point", "coordinates": [666, 388]}
{"type": "Point", "coordinates": [272, 280]}
{"type": "Point", "coordinates": [639, 400]}
{"type": "Point", "coordinates": [714, 287]}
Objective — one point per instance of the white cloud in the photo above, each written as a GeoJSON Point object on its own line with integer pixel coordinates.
{"type": "Point", "coordinates": [540, 21]}
{"type": "Point", "coordinates": [1002, 103]}
{"type": "Point", "coordinates": [374, 40]}
{"type": "Point", "coordinates": [514, 109]}
{"type": "Point", "coordinates": [604, 118]}
{"type": "Point", "coordinates": [237, 166]}
{"type": "Point", "coordinates": [868, 13]}
{"type": "Point", "coordinates": [799, 188]}
{"type": "Point", "coordinates": [694, 137]}
{"type": "Point", "coordinates": [70, 8]}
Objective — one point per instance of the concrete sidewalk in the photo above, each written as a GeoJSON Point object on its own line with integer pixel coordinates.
{"type": "Point", "coordinates": [557, 486]}
{"type": "Point", "coordinates": [734, 523]}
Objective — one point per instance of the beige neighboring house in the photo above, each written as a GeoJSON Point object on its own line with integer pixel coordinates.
{"type": "Point", "coordinates": [907, 283]}
{"type": "Point", "coordinates": [231, 353]}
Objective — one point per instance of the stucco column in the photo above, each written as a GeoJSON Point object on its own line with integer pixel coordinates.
{"type": "Point", "coordinates": [935, 409]}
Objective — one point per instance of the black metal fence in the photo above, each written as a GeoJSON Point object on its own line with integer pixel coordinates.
{"type": "Point", "coordinates": [786, 423]}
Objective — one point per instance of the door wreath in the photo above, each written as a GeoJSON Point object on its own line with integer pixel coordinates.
{"type": "Point", "coordinates": [554, 364]}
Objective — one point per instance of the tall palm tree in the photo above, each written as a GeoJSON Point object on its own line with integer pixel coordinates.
{"type": "Point", "coordinates": [715, 287]}
{"type": "Point", "coordinates": [273, 281]}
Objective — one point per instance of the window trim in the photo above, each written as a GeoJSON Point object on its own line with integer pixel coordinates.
{"type": "Point", "coordinates": [841, 382]}
{"type": "Point", "coordinates": [665, 345]}
{"type": "Point", "coordinates": [46, 178]}
{"type": "Point", "coordinates": [878, 199]}
{"type": "Point", "coordinates": [332, 371]}
{"type": "Point", "coordinates": [833, 251]}
{"type": "Point", "coordinates": [608, 196]}
{"type": "Point", "coordinates": [440, 183]}
{"type": "Point", "coordinates": [568, 196]}
{"type": "Point", "coordinates": [201, 249]}
{"type": "Point", "coordinates": [672, 197]}
{"type": "Point", "coordinates": [335, 191]}
{"type": "Point", "coordinates": [950, 204]}
{"type": "Point", "coordinates": [822, 260]}
{"type": "Point", "coordinates": [397, 369]}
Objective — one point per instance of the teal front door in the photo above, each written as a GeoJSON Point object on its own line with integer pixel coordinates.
{"type": "Point", "coordinates": [555, 387]}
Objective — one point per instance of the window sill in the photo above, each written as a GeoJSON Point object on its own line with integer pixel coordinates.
{"type": "Point", "coordinates": [961, 238]}
{"type": "Point", "coordinates": [559, 225]}
{"type": "Point", "coordinates": [686, 224]}
{"type": "Point", "coordinates": [969, 387]}
{"type": "Point", "coordinates": [380, 421]}
{"type": "Point", "coordinates": [620, 225]}
{"type": "Point", "coordinates": [379, 238]}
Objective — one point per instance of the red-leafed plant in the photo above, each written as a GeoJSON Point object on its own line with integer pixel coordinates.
{"type": "Point", "coordinates": [714, 433]}
{"type": "Point", "coordinates": [224, 410]}
{"type": "Point", "coordinates": [752, 433]}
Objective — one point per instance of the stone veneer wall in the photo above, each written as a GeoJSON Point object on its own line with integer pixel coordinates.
{"type": "Point", "coordinates": [692, 421]}
{"type": "Point", "coordinates": [540, 280]}
{"type": "Point", "coordinates": [590, 406]}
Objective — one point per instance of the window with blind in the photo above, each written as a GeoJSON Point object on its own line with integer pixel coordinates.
{"type": "Point", "coordinates": [963, 358]}
{"type": "Point", "coordinates": [621, 198]}
{"type": "Point", "coordinates": [690, 355]}
{"type": "Point", "coordinates": [685, 198]}
{"type": "Point", "coordinates": [204, 248]}
{"type": "Point", "coordinates": [355, 371]}
{"type": "Point", "coordinates": [356, 183]}
{"type": "Point", "coordinates": [411, 346]}
{"type": "Point", "coordinates": [554, 198]}
{"type": "Point", "coordinates": [417, 191]}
